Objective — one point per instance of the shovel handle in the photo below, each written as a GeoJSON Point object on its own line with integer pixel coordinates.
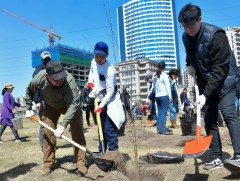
{"type": "Point", "coordinates": [62, 136]}
{"type": "Point", "coordinates": [98, 120]}
{"type": "Point", "coordinates": [198, 126]}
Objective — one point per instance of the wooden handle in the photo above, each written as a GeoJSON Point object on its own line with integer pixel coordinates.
{"type": "Point", "coordinates": [62, 136]}
{"type": "Point", "coordinates": [98, 120]}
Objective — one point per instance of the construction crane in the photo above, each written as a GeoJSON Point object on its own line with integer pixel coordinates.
{"type": "Point", "coordinates": [51, 35]}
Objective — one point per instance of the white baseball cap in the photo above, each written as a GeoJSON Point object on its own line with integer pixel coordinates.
{"type": "Point", "coordinates": [45, 54]}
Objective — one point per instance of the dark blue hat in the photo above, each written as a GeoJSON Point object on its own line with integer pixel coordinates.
{"type": "Point", "coordinates": [101, 48]}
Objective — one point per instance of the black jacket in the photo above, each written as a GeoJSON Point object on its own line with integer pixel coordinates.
{"type": "Point", "coordinates": [210, 54]}
{"type": "Point", "coordinates": [85, 97]}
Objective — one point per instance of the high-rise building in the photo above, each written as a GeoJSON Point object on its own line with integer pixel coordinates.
{"type": "Point", "coordinates": [147, 29]}
{"type": "Point", "coordinates": [233, 35]}
{"type": "Point", "coordinates": [131, 75]}
{"type": "Point", "coordinates": [75, 61]}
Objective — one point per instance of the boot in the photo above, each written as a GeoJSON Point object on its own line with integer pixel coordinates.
{"type": "Point", "coordinates": [174, 124]}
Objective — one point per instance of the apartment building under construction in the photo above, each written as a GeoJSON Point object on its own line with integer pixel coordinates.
{"type": "Point", "coordinates": [75, 61]}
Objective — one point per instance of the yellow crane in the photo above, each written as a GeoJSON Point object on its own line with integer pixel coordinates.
{"type": "Point", "coordinates": [51, 35]}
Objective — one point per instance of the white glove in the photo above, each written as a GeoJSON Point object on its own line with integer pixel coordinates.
{"type": "Point", "coordinates": [201, 100]}
{"type": "Point", "coordinates": [59, 131]}
{"type": "Point", "coordinates": [191, 70]}
{"type": "Point", "coordinates": [29, 114]}
{"type": "Point", "coordinates": [94, 93]}
{"type": "Point", "coordinates": [148, 101]}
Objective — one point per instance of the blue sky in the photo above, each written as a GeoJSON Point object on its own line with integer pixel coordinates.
{"type": "Point", "coordinates": [81, 23]}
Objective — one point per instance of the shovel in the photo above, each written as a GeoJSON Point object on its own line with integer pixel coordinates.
{"type": "Point", "coordinates": [195, 148]}
{"type": "Point", "coordinates": [102, 164]}
{"type": "Point", "coordinates": [101, 140]}
{"type": "Point", "coordinates": [150, 116]}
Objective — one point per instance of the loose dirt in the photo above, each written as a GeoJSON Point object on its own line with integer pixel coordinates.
{"type": "Point", "coordinates": [23, 161]}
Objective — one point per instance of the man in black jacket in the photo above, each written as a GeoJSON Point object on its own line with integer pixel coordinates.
{"type": "Point", "coordinates": [211, 60]}
{"type": "Point", "coordinates": [45, 58]}
{"type": "Point", "coordinates": [88, 105]}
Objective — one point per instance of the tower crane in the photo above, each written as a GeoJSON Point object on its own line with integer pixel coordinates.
{"type": "Point", "coordinates": [51, 35]}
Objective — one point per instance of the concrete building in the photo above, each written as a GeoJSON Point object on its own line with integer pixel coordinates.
{"type": "Point", "coordinates": [147, 29]}
{"type": "Point", "coordinates": [233, 35]}
{"type": "Point", "coordinates": [75, 61]}
{"type": "Point", "coordinates": [131, 75]}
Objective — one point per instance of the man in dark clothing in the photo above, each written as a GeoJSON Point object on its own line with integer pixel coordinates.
{"type": "Point", "coordinates": [183, 95]}
{"type": "Point", "coordinates": [45, 57]}
{"type": "Point", "coordinates": [88, 104]}
{"type": "Point", "coordinates": [152, 106]}
{"type": "Point", "coordinates": [210, 59]}
{"type": "Point", "coordinates": [125, 98]}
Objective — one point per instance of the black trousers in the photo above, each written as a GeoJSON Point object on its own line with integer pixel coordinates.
{"type": "Point", "coordinates": [14, 131]}
{"type": "Point", "coordinates": [226, 104]}
{"type": "Point", "coordinates": [90, 108]}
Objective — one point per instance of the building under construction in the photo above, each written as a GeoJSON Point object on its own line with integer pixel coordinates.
{"type": "Point", "coordinates": [75, 61]}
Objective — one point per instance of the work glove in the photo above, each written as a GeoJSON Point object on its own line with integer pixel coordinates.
{"type": "Point", "coordinates": [201, 100]}
{"type": "Point", "coordinates": [29, 114]}
{"type": "Point", "coordinates": [94, 93]}
{"type": "Point", "coordinates": [38, 106]}
{"type": "Point", "coordinates": [59, 131]}
{"type": "Point", "coordinates": [191, 70]}
{"type": "Point", "coordinates": [90, 85]}
{"type": "Point", "coordinates": [99, 109]}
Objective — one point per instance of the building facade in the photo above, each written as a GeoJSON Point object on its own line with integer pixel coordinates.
{"type": "Point", "coordinates": [233, 35]}
{"type": "Point", "coordinates": [147, 29]}
{"type": "Point", "coordinates": [131, 75]}
{"type": "Point", "coordinates": [75, 61]}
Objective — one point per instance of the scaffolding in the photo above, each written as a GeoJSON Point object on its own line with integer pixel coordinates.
{"type": "Point", "coordinates": [75, 61]}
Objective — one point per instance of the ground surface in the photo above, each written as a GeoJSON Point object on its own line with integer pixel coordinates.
{"type": "Point", "coordinates": [23, 161]}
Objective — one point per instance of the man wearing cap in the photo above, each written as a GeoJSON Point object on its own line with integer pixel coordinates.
{"type": "Point", "coordinates": [151, 95]}
{"type": "Point", "coordinates": [103, 78]}
{"type": "Point", "coordinates": [60, 95]}
{"type": "Point", "coordinates": [45, 58]}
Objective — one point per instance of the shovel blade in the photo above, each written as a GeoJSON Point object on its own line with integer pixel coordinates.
{"type": "Point", "coordinates": [103, 164]}
{"type": "Point", "coordinates": [149, 118]}
{"type": "Point", "coordinates": [197, 147]}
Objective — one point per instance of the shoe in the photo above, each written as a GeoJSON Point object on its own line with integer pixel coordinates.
{"type": "Point", "coordinates": [165, 133]}
{"type": "Point", "coordinates": [46, 171]}
{"type": "Point", "coordinates": [89, 125]}
{"type": "Point", "coordinates": [233, 165]}
{"type": "Point", "coordinates": [1, 141]}
{"type": "Point", "coordinates": [216, 163]}
{"type": "Point", "coordinates": [18, 140]}
{"type": "Point", "coordinates": [82, 171]}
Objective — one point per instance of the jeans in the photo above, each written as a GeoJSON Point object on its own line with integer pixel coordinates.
{"type": "Point", "coordinates": [227, 107]}
{"type": "Point", "coordinates": [109, 132]}
{"type": "Point", "coordinates": [162, 107]}
{"type": "Point", "coordinates": [172, 109]}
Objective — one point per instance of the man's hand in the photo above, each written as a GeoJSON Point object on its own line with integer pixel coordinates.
{"type": "Point", "coordinates": [201, 100]}
{"type": "Point", "coordinates": [90, 85]}
{"type": "Point", "coordinates": [29, 114]}
{"type": "Point", "coordinates": [191, 70]}
{"type": "Point", "coordinates": [38, 106]}
{"type": "Point", "coordinates": [59, 131]}
{"type": "Point", "coordinates": [99, 109]}
{"type": "Point", "coordinates": [14, 111]}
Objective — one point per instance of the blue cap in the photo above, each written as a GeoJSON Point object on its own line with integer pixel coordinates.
{"type": "Point", "coordinates": [101, 48]}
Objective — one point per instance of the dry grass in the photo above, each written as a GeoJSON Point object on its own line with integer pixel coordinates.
{"type": "Point", "coordinates": [23, 161]}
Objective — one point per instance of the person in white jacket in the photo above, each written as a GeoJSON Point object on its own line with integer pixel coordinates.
{"type": "Point", "coordinates": [163, 96]}
{"type": "Point", "coordinates": [103, 78]}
